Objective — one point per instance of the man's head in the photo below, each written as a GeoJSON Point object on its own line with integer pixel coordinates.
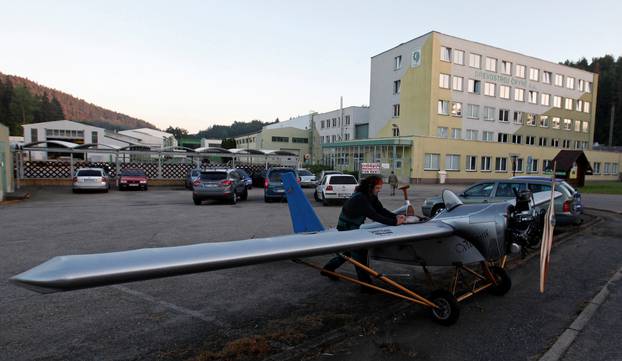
{"type": "Point", "coordinates": [371, 185]}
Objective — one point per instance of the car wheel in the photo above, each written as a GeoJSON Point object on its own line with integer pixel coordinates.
{"type": "Point", "coordinates": [197, 201]}
{"type": "Point", "coordinates": [324, 200]}
{"type": "Point", "coordinates": [234, 198]}
{"type": "Point", "coordinates": [317, 199]}
{"type": "Point", "coordinates": [146, 187]}
{"type": "Point", "coordinates": [448, 311]}
{"type": "Point", "coordinates": [244, 195]}
{"type": "Point", "coordinates": [437, 209]}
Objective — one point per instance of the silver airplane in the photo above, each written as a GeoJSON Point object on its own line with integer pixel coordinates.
{"type": "Point", "coordinates": [474, 239]}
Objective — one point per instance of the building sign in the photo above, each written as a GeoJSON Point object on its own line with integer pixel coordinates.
{"type": "Point", "coordinates": [503, 79]}
{"type": "Point", "coordinates": [370, 168]}
{"type": "Point", "coordinates": [416, 58]}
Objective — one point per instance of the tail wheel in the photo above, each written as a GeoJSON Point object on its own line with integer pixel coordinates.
{"type": "Point", "coordinates": [448, 310]}
{"type": "Point", "coordinates": [504, 283]}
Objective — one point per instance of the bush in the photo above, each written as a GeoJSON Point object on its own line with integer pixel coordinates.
{"type": "Point", "coordinates": [317, 168]}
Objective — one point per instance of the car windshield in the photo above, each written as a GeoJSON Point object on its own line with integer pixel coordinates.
{"type": "Point", "coordinates": [507, 189]}
{"type": "Point", "coordinates": [133, 173]}
{"type": "Point", "coordinates": [89, 173]}
{"type": "Point", "coordinates": [213, 176]}
{"type": "Point", "coordinates": [243, 173]}
{"type": "Point", "coordinates": [479, 190]}
{"type": "Point", "coordinates": [537, 187]}
{"type": "Point", "coordinates": [304, 172]}
{"type": "Point", "coordinates": [342, 179]}
{"type": "Point", "coordinates": [275, 175]}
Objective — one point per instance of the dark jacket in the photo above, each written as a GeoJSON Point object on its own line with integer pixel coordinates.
{"type": "Point", "coordinates": [361, 206]}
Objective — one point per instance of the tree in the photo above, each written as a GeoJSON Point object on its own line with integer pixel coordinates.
{"type": "Point", "coordinates": [228, 143]}
{"type": "Point", "coordinates": [56, 110]}
{"type": "Point", "coordinates": [177, 132]}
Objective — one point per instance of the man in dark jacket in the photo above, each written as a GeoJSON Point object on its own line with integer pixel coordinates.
{"type": "Point", "coordinates": [363, 204]}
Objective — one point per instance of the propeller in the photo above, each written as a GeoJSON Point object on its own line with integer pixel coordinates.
{"type": "Point", "coordinates": [410, 210]}
{"type": "Point", "coordinates": [547, 235]}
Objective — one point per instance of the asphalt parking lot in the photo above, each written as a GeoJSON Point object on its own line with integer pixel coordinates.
{"type": "Point", "coordinates": [248, 312]}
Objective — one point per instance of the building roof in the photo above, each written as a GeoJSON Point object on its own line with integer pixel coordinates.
{"type": "Point", "coordinates": [60, 124]}
{"type": "Point", "coordinates": [148, 131]}
{"type": "Point", "coordinates": [565, 160]}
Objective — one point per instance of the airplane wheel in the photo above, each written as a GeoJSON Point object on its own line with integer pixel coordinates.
{"type": "Point", "coordinates": [504, 283]}
{"type": "Point", "coordinates": [448, 312]}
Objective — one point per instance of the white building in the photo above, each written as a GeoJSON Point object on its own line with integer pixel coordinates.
{"type": "Point", "coordinates": [153, 138]}
{"type": "Point", "coordinates": [331, 128]}
{"type": "Point", "coordinates": [210, 143]}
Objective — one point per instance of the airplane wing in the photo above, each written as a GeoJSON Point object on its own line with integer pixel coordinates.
{"type": "Point", "coordinates": [65, 273]}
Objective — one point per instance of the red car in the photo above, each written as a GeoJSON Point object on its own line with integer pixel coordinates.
{"type": "Point", "coordinates": [132, 178]}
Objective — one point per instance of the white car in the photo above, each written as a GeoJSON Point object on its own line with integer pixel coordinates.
{"type": "Point", "coordinates": [307, 179]}
{"type": "Point", "coordinates": [335, 187]}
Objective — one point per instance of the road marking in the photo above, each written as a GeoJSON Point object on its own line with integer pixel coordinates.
{"type": "Point", "coordinates": [223, 327]}
{"type": "Point", "coordinates": [566, 339]}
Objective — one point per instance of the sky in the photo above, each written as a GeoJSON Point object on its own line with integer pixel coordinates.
{"type": "Point", "coordinates": [192, 64]}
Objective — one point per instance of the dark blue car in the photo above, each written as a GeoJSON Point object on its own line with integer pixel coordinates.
{"type": "Point", "coordinates": [245, 177]}
{"type": "Point", "coordinates": [273, 185]}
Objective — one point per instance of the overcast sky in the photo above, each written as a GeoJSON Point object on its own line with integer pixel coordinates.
{"type": "Point", "coordinates": [196, 63]}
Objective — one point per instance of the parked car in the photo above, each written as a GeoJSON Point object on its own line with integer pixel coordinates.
{"type": "Point", "coordinates": [324, 173]}
{"type": "Point", "coordinates": [132, 178]}
{"type": "Point", "coordinates": [191, 176]}
{"type": "Point", "coordinates": [307, 179]}
{"type": "Point", "coordinates": [91, 179]}
{"type": "Point", "coordinates": [259, 178]}
{"type": "Point", "coordinates": [335, 187]}
{"type": "Point", "coordinates": [246, 177]}
{"type": "Point", "coordinates": [225, 184]}
{"type": "Point", "coordinates": [503, 190]}
{"type": "Point", "coordinates": [578, 204]}
{"type": "Point", "coordinates": [273, 185]}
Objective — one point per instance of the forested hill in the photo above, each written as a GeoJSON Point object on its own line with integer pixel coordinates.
{"type": "Point", "coordinates": [23, 101]}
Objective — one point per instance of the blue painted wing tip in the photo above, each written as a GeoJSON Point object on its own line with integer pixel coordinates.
{"type": "Point", "coordinates": [304, 218]}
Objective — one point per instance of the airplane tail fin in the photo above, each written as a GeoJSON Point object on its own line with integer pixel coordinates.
{"type": "Point", "coordinates": [303, 216]}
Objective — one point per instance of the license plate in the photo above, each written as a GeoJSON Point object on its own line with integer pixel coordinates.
{"type": "Point", "coordinates": [343, 195]}
{"type": "Point", "coordinates": [279, 190]}
{"type": "Point", "coordinates": [133, 185]}
{"type": "Point", "coordinates": [89, 180]}
{"type": "Point", "coordinates": [211, 185]}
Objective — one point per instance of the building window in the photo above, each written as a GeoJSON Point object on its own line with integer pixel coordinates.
{"type": "Point", "coordinates": [585, 127]}
{"type": "Point", "coordinates": [431, 161]}
{"type": "Point", "coordinates": [531, 119]}
{"type": "Point", "coordinates": [443, 107]}
{"type": "Point", "coordinates": [532, 166]}
{"type": "Point", "coordinates": [580, 85]}
{"type": "Point", "coordinates": [519, 94]}
{"type": "Point", "coordinates": [398, 62]}
{"type": "Point", "coordinates": [348, 135]}
{"type": "Point", "coordinates": [502, 137]}
{"type": "Point", "coordinates": [586, 107]}
{"type": "Point", "coordinates": [504, 91]}
{"type": "Point", "coordinates": [578, 105]}
{"type": "Point", "coordinates": [456, 109]}
{"type": "Point", "coordinates": [475, 61]}
{"type": "Point", "coordinates": [441, 132]}
{"type": "Point", "coordinates": [555, 142]}
{"type": "Point", "coordinates": [596, 168]}
{"type": "Point", "coordinates": [489, 89]}
{"type": "Point", "coordinates": [396, 86]}
{"type": "Point", "coordinates": [472, 111]}
{"type": "Point", "coordinates": [567, 124]}
{"type": "Point", "coordinates": [396, 131]}
{"type": "Point", "coordinates": [445, 53]}
{"type": "Point", "coordinates": [545, 99]}
{"type": "Point", "coordinates": [568, 104]}
{"type": "Point", "coordinates": [544, 121]}
{"type": "Point", "coordinates": [491, 64]}
{"type": "Point", "coordinates": [489, 113]}
{"type": "Point", "coordinates": [459, 57]}
{"type": "Point", "coordinates": [543, 141]}
{"type": "Point", "coordinates": [347, 120]}
{"type": "Point", "coordinates": [474, 86]}
{"type": "Point", "coordinates": [534, 74]}
{"type": "Point", "coordinates": [517, 139]}
{"type": "Point", "coordinates": [334, 138]}
{"type": "Point", "coordinates": [34, 135]}
{"type": "Point", "coordinates": [501, 164]}
{"type": "Point", "coordinates": [504, 115]}
{"type": "Point", "coordinates": [471, 134]}
{"type": "Point", "coordinates": [485, 164]}
{"type": "Point", "coordinates": [557, 101]}
{"type": "Point", "coordinates": [471, 163]}
{"type": "Point", "coordinates": [457, 83]}
{"type": "Point", "coordinates": [506, 67]}
{"type": "Point", "coordinates": [94, 137]}
{"type": "Point", "coordinates": [566, 143]}
{"type": "Point", "coordinates": [283, 139]}
{"type": "Point", "coordinates": [533, 97]}
{"type": "Point", "coordinates": [530, 140]}
{"type": "Point", "coordinates": [488, 136]}
{"type": "Point", "coordinates": [577, 125]}
{"type": "Point", "coordinates": [556, 122]}
{"type": "Point", "coordinates": [300, 140]}
{"type": "Point", "coordinates": [559, 80]}
{"type": "Point", "coordinates": [546, 77]}
{"type": "Point", "coordinates": [588, 87]}
{"type": "Point", "coordinates": [517, 164]}
{"type": "Point", "coordinates": [452, 162]}
{"type": "Point", "coordinates": [570, 82]}
{"type": "Point", "coordinates": [443, 81]}
{"type": "Point", "coordinates": [519, 71]}
{"type": "Point", "coordinates": [518, 117]}
{"type": "Point", "coordinates": [334, 122]}
{"type": "Point", "coordinates": [456, 133]}
{"type": "Point", "coordinates": [322, 124]}
{"type": "Point", "coordinates": [396, 110]}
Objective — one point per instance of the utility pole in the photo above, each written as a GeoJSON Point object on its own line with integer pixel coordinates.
{"type": "Point", "coordinates": [613, 112]}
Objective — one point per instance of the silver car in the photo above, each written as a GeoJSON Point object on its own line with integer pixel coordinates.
{"type": "Point", "coordinates": [307, 179]}
{"type": "Point", "coordinates": [91, 179]}
{"type": "Point", "coordinates": [225, 184]}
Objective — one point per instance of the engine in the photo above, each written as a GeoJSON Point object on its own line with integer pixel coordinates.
{"type": "Point", "coordinates": [525, 224]}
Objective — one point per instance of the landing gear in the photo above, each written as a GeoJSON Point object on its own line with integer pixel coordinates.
{"type": "Point", "coordinates": [448, 311]}
{"type": "Point", "coordinates": [504, 283]}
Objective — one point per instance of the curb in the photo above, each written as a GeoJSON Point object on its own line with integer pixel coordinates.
{"type": "Point", "coordinates": [565, 340]}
